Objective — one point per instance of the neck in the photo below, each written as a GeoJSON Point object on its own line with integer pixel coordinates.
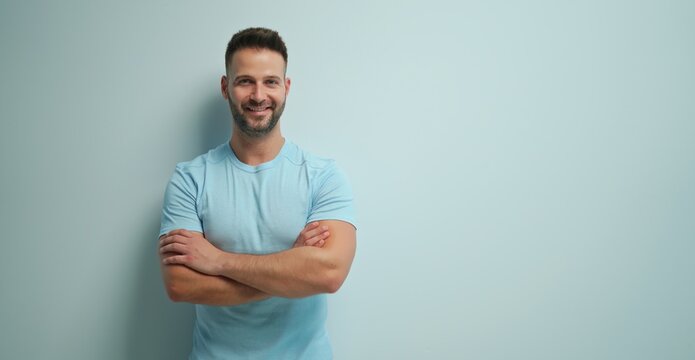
{"type": "Point", "coordinates": [255, 151]}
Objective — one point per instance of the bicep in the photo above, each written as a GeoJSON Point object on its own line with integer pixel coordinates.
{"type": "Point", "coordinates": [179, 209]}
{"type": "Point", "coordinates": [341, 244]}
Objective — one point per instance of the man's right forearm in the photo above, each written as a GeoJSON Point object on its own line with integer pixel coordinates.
{"type": "Point", "coordinates": [186, 285]}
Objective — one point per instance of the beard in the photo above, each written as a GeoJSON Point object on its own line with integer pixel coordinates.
{"type": "Point", "coordinates": [256, 128]}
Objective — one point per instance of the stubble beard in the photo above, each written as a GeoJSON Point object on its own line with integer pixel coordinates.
{"type": "Point", "coordinates": [244, 124]}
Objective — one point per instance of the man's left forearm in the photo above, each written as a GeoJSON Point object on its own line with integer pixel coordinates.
{"type": "Point", "coordinates": [293, 273]}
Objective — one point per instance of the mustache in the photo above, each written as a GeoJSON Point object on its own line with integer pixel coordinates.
{"type": "Point", "coordinates": [256, 104]}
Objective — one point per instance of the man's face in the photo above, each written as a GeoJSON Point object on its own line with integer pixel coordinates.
{"type": "Point", "coordinates": [256, 89]}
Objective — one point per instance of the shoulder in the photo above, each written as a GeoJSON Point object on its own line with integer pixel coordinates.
{"type": "Point", "coordinates": [193, 171]}
{"type": "Point", "coordinates": [212, 157]}
{"type": "Point", "coordinates": [315, 165]}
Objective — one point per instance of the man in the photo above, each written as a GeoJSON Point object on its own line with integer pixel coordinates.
{"type": "Point", "coordinates": [257, 231]}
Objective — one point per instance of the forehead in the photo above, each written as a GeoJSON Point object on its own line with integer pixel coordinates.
{"type": "Point", "coordinates": [257, 63]}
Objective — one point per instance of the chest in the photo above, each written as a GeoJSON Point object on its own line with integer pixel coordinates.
{"type": "Point", "coordinates": [255, 213]}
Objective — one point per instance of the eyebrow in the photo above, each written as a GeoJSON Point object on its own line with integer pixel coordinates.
{"type": "Point", "coordinates": [275, 77]}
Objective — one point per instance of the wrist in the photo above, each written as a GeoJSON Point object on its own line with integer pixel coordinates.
{"type": "Point", "coordinates": [223, 262]}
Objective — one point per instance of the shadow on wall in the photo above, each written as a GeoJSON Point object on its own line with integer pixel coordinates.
{"type": "Point", "coordinates": [159, 328]}
{"type": "Point", "coordinates": [216, 126]}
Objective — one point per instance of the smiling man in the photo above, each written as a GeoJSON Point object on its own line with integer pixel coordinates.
{"type": "Point", "coordinates": [257, 231]}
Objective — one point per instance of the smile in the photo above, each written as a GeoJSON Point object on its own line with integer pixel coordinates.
{"type": "Point", "coordinates": [257, 109]}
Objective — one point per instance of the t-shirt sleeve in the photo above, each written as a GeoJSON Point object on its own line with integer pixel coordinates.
{"type": "Point", "coordinates": [179, 210]}
{"type": "Point", "coordinates": [333, 199]}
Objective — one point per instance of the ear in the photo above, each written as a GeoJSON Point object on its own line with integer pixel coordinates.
{"type": "Point", "coordinates": [224, 87]}
{"type": "Point", "coordinates": [287, 85]}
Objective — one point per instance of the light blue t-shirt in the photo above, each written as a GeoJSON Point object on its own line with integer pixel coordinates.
{"type": "Point", "coordinates": [257, 210]}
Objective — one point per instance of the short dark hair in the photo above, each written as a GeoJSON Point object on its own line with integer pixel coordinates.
{"type": "Point", "coordinates": [255, 38]}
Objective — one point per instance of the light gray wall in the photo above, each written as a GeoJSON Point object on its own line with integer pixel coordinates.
{"type": "Point", "coordinates": [524, 171]}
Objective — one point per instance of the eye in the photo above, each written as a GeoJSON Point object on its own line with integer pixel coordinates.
{"type": "Point", "coordinates": [272, 82]}
{"type": "Point", "coordinates": [243, 81]}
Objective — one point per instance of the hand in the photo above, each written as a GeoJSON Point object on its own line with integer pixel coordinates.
{"type": "Point", "coordinates": [191, 249]}
{"type": "Point", "coordinates": [312, 235]}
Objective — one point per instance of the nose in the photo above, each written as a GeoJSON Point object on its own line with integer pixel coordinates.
{"type": "Point", "coordinates": [257, 94]}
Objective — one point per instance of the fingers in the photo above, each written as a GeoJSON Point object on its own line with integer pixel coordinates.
{"type": "Point", "coordinates": [301, 238]}
{"type": "Point", "coordinates": [182, 232]}
{"type": "Point", "coordinates": [173, 247]}
{"type": "Point", "coordinates": [318, 239]}
{"type": "Point", "coordinates": [309, 227]}
{"type": "Point", "coordinates": [314, 231]}
{"type": "Point", "coordinates": [165, 255]}
{"type": "Point", "coordinates": [172, 239]}
{"type": "Point", "coordinates": [313, 235]}
{"type": "Point", "coordinates": [177, 259]}
{"type": "Point", "coordinates": [320, 243]}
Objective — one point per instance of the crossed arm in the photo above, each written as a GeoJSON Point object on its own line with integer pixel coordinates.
{"type": "Point", "coordinates": [196, 271]}
{"type": "Point", "coordinates": [187, 285]}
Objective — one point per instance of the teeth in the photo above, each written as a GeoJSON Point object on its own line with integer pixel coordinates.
{"type": "Point", "coordinates": [257, 109]}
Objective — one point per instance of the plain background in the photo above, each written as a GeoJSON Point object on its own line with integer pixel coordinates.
{"type": "Point", "coordinates": [524, 172]}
